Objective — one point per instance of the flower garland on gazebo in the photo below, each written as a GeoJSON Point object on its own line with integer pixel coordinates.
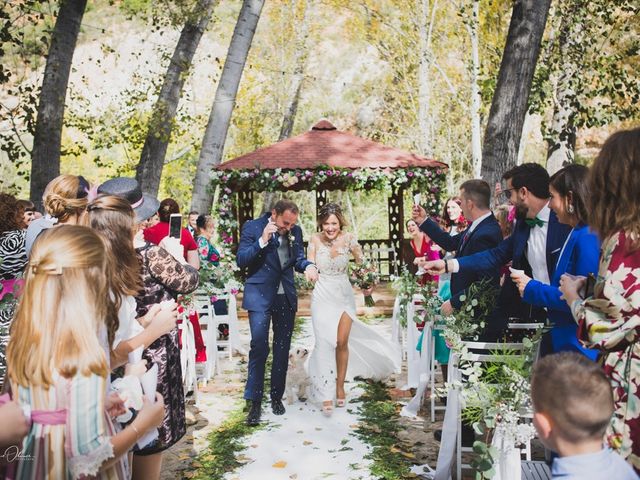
{"type": "Point", "coordinates": [429, 181]}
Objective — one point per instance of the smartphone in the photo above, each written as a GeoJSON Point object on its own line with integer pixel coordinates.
{"type": "Point", "coordinates": [175, 225]}
{"type": "Point", "coordinates": [588, 287]}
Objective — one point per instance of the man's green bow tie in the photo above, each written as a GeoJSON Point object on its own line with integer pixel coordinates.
{"type": "Point", "coordinates": [532, 222]}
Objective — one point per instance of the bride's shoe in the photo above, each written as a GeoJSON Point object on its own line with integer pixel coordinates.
{"type": "Point", "coordinates": [341, 402]}
{"type": "Point", "coordinates": [327, 408]}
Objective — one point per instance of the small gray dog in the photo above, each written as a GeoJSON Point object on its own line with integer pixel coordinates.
{"type": "Point", "coordinates": [297, 377]}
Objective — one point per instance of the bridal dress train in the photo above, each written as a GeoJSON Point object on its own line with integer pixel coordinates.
{"type": "Point", "coordinates": [371, 355]}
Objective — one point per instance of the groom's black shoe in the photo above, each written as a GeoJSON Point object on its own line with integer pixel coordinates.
{"type": "Point", "coordinates": [277, 407]}
{"type": "Point", "coordinates": [255, 411]}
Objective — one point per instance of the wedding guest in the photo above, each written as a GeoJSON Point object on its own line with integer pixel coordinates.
{"type": "Point", "coordinates": [192, 223]}
{"type": "Point", "coordinates": [58, 369]}
{"type": "Point", "coordinates": [424, 247]}
{"type": "Point", "coordinates": [13, 259]}
{"type": "Point", "coordinates": [205, 228]}
{"type": "Point", "coordinates": [534, 246]}
{"type": "Point", "coordinates": [28, 210]}
{"type": "Point", "coordinates": [579, 256]}
{"type": "Point", "coordinates": [503, 216]}
{"type": "Point", "coordinates": [452, 221]}
{"type": "Point", "coordinates": [572, 405]}
{"type": "Point", "coordinates": [609, 320]}
{"type": "Point", "coordinates": [65, 200]}
{"type": "Point", "coordinates": [114, 220]}
{"type": "Point", "coordinates": [156, 233]}
{"type": "Point", "coordinates": [165, 273]}
{"type": "Point", "coordinates": [482, 234]}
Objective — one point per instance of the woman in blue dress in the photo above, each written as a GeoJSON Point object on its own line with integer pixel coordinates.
{"type": "Point", "coordinates": [579, 256]}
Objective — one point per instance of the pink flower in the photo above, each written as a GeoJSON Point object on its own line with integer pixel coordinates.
{"type": "Point", "coordinates": [214, 299]}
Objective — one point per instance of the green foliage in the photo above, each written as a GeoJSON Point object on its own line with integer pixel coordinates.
{"type": "Point", "coordinates": [379, 428]}
{"type": "Point", "coordinates": [469, 321]}
{"type": "Point", "coordinates": [225, 445]}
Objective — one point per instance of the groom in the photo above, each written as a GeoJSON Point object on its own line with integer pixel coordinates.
{"type": "Point", "coordinates": [270, 248]}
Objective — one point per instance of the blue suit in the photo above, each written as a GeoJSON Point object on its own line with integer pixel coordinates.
{"type": "Point", "coordinates": [261, 299]}
{"type": "Point", "coordinates": [580, 257]}
{"type": "Point", "coordinates": [513, 249]}
{"type": "Point", "coordinates": [486, 235]}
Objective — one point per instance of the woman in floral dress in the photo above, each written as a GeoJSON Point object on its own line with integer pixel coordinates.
{"type": "Point", "coordinates": [609, 320]}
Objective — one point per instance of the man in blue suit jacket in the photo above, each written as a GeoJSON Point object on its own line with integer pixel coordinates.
{"type": "Point", "coordinates": [534, 245]}
{"type": "Point", "coordinates": [483, 233]}
{"type": "Point", "coordinates": [270, 248]}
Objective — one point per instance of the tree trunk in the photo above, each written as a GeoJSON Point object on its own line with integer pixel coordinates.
{"type": "Point", "coordinates": [476, 142]}
{"type": "Point", "coordinates": [300, 62]}
{"type": "Point", "coordinates": [149, 170]}
{"type": "Point", "coordinates": [561, 133]}
{"type": "Point", "coordinates": [425, 119]}
{"type": "Point", "coordinates": [561, 139]}
{"type": "Point", "coordinates": [47, 139]}
{"type": "Point", "coordinates": [220, 117]}
{"type": "Point", "coordinates": [509, 105]}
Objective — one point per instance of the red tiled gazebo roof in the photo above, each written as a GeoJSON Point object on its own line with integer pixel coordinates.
{"type": "Point", "coordinates": [325, 145]}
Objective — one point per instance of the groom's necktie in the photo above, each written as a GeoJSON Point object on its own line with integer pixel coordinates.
{"type": "Point", "coordinates": [283, 255]}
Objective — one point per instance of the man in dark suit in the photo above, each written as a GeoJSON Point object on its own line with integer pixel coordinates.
{"type": "Point", "coordinates": [534, 246]}
{"type": "Point", "coordinates": [270, 248]}
{"type": "Point", "coordinates": [483, 233]}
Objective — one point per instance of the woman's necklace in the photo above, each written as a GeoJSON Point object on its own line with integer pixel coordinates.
{"type": "Point", "coordinates": [329, 241]}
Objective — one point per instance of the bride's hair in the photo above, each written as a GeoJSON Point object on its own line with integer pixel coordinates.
{"type": "Point", "coordinates": [331, 209]}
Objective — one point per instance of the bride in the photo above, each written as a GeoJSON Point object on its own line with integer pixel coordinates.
{"type": "Point", "coordinates": [343, 344]}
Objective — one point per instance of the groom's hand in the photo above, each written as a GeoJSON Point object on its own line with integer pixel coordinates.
{"type": "Point", "coordinates": [311, 273]}
{"type": "Point", "coordinates": [434, 267]}
{"type": "Point", "coordinates": [268, 231]}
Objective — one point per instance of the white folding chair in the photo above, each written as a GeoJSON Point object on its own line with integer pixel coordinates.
{"type": "Point", "coordinates": [415, 307]}
{"type": "Point", "coordinates": [483, 357]}
{"type": "Point", "coordinates": [188, 357]}
{"type": "Point", "coordinates": [432, 372]}
{"type": "Point", "coordinates": [209, 333]}
{"type": "Point", "coordinates": [230, 318]}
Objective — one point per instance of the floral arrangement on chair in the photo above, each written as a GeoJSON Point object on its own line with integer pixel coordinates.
{"type": "Point", "coordinates": [406, 287]}
{"type": "Point", "coordinates": [365, 276]}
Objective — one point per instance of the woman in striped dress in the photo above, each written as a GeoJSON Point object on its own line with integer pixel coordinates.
{"type": "Point", "coordinates": [58, 370]}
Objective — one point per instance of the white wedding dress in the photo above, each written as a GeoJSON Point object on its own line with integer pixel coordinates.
{"type": "Point", "coordinates": [370, 354]}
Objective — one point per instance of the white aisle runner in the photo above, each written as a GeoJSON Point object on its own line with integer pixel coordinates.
{"type": "Point", "coordinates": [302, 444]}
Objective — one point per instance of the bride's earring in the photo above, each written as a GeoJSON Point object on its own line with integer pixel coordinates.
{"type": "Point", "coordinates": [570, 209]}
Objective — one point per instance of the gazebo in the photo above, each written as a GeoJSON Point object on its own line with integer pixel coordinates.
{"type": "Point", "coordinates": [326, 159]}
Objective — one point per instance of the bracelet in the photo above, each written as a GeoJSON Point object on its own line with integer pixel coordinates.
{"type": "Point", "coordinates": [446, 266]}
{"type": "Point", "coordinates": [135, 430]}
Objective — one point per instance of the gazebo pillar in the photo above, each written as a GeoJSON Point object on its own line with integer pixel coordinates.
{"type": "Point", "coordinates": [245, 206]}
{"type": "Point", "coordinates": [396, 228]}
{"type": "Point", "coordinates": [321, 200]}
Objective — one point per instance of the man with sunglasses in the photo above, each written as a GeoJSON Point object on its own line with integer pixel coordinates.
{"type": "Point", "coordinates": [534, 246]}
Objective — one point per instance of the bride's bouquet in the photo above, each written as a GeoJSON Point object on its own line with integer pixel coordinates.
{"type": "Point", "coordinates": [365, 276]}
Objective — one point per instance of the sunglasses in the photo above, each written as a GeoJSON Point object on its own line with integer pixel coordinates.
{"type": "Point", "coordinates": [507, 193]}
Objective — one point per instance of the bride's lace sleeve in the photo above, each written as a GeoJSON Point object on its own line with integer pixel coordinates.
{"type": "Point", "coordinates": [356, 249]}
{"type": "Point", "coordinates": [311, 249]}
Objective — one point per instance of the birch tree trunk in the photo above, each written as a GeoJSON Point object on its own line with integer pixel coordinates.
{"type": "Point", "coordinates": [47, 139]}
{"type": "Point", "coordinates": [509, 105]}
{"type": "Point", "coordinates": [425, 120]}
{"type": "Point", "coordinates": [561, 133]}
{"type": "Point", "coordinates": [149, 170]}
{"type": "Point", "coordinates": [476, 143]}
{"type": "Point", "coordinates": [220, 117]}
{"type": "Point", "coordinates": [300, 61]}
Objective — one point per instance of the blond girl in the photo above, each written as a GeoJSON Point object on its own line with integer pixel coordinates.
{"type": "Point", "coordinates": [58, 369]}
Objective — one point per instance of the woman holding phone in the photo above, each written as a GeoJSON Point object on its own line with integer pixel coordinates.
{"type": "Point", "coordinates": [169, 212]}
{"type": "Point", "coordinates": [579, 256]}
